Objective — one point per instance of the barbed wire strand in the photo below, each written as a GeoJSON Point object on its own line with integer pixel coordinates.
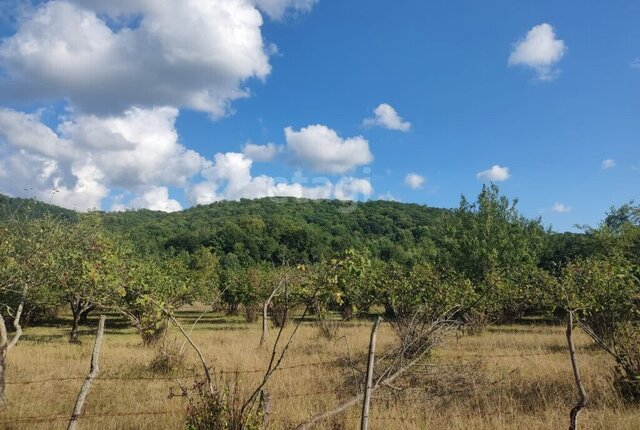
{"type": "Point", "coordinates": [165, 378]}
{"type": "Point", "coordinates": [49, 418]}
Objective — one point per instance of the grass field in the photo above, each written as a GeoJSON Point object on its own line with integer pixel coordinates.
{"type": "Point", "coordinates": [509, 377]}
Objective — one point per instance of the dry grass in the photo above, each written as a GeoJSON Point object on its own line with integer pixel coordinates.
{"type": "Point", "coordinates": [509, 377]}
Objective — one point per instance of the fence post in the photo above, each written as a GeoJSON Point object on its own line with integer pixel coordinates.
{"type": "Point", "coordinates": [93, 372]}
{"type": "Point", "coordinates": [364, 422]}
{"type": "Point", "coordinates": [265, 408]}
{"type": "Point", "coordinates": [582, 400]}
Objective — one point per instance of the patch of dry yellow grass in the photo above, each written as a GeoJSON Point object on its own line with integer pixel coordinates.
{"type": "Point", "coordinates": [509, 377]}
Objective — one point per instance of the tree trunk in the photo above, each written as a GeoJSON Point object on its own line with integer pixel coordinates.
{"type": "Point", "coordinates": [73, 337]}
{"type": "Point", "coordinates": [346, 309]}
{"type": "Point", "coordinates": [84, 315]}
{"type": "Point", "coordinates": [3, 370]}
{"type": "Point", "coordinates": [6, 345]}
{"type": "Point", "coordinates": [265, 314]}
{"type": "Point", "coordinates": [389, 311]}
{"type": "Point", "coordinates": [79, 310]}
{"type": "Point", "coordinates": [232, 309]}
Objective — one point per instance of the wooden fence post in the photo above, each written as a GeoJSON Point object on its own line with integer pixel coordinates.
{"type": "Point", "coordinates": [265, 408]}
{"type": "Point", "coordinates": [582, 401]}
{"type": "Point", "coordinates": [93, 372]}
{"type": "Point", "coordinates": [364, 422]}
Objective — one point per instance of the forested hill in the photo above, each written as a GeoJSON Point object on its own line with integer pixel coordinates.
{"type": "Point", "coordinates": [289, 229]}
{"type": "Point", "coordinates": [277, 229]}
{"type": "Point", "coordinates": [30, 208]}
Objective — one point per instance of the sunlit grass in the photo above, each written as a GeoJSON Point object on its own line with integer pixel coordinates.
{"type": "Point", "coordinates": [517, 377]}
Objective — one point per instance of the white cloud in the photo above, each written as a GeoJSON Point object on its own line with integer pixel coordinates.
{"type": "Point", "coordinates": [387, 117]}
{"type": "Point", "coordinates": [230, 177]}
{"type": "Point", "coordinates": [125, 68]}
{"type": "Point", "coordinates": [137, 148]}
{"type": "Point", "coordinates": [353, 189]}
{"type": "Point", "coordinates": [191, 53]}
{"type": "Point", "coordinates": [608, 163]}
{"type": "Point", "coordinates": [276, 8]}
{"type": "Point", "coordinates": [260, 153]}
{"type": "Point", "coordinates": [26, 132]}
{"type": "Point", "coordinates": [414, 181]}
{"type": "Point", "coordinates": [88, 155]}
{"type": "Point", "coordinates": [560, 208]}
{"type": "Point", "coordinates": [321, 149]}
{"type": "Point", "coordinates": [540, 50]}
{"type": "Point", "coordinates": [635, 64]}
{"type": "Point", "coordinates": [156, 199]}
{"type": "Point", "coordinates": [387, 197]}
{"type": "Point", "coordinates": [496, 173]}
{"type": "Point", "coordinates": [137, 154]}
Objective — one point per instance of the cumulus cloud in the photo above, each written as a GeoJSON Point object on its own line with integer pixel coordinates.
{"type": "Point", "coordinates": [85, 159]}
{"type": "Point", "coordinates": [387, 117]}
{"type": "Point", "coordinates": [137, 148]}
{"type": "Point", "coordinates": [495, 173]}
{"type": "Point", "coordinates": [608, 163]}
{"type": "Point", "coordinates": [105, 56]}
{"type": "Point", "coordinates": [276, 8]}
{"type": "Point", "coordinates": [124, 69]}
{"type": "Point", "coordinates": [387, 197]}
{"type": "Point", "coordinates": [230, 177]}
{"type": "Point", "coordinates": [260, 153]}
{"type": "Point", "coordinates": [352, 189]}
{"type": "Point", "coordinates": [560, 208]}
{"type": "Point", "coordinates": [80, 161]}
{"type": "Point", "coordinates": [540, 50]}
{"type": "Point", "coordinates": [156, 199]}
{"type": "Point", "coordinates": [321, 149]}
{"type": "Point", "coordinates": [414, 181]}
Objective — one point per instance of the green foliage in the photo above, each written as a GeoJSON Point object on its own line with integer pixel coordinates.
{"type": "Point", "coordinates": [18, 209]}
{"type": "Point", "coordinates": [149, 285]}
{"type": "Point", "coordinates": [426, 291]}
{"type": "Point", "coordinates": [604, 290]}
{"type": "Point", "coordinates": [86, 267]}
{"type": "Point", "coordinates": [287, 230]}
{"type": "Point", "coordinates": [344, 284]}
{"type": "Point", "coordinates": [27, 260]}
{"type": "Point", "coordinates": [497, 249]}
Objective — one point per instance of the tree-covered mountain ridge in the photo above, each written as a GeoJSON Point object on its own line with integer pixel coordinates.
{"type": "Point", "coordinates": [272, 229]}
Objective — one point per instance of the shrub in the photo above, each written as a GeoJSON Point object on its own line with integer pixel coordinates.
{"type": "Point", "coordinates": [220, 410]}
{"type": "Point", "coordinates": [328, 328]}
{"type": "Point", "coordinates": [627, 370]}
{"type": "Point", "coordinates": [170, 357]}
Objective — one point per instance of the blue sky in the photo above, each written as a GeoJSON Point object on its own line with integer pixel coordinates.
{"type": "Point", "coordinates": [154, 111]}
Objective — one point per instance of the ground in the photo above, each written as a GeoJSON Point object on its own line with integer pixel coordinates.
{"type": "Point", "coordinates": [508, 377]}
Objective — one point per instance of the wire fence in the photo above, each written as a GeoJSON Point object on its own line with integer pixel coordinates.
{"type": "Point", "coordinates": [60, 417]}
{"type": "Point", "coordinates": [328, 363]}
{"type": "Point", "coordinates": [320, 394]}
{"type": "Point", "coordinates": [6, 421]}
